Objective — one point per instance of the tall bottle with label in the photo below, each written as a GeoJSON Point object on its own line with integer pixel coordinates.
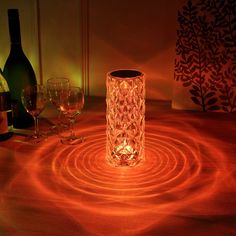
{"type": "Point", "coordinates": [18, 72]}
{"type": "Point", "coordinates": [5, 110]}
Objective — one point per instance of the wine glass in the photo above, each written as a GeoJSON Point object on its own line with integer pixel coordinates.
{"type": "Point", "coordinates": [57, 87]}
{"type": "Point", "coordinates": [34, 99]}
{"type": "Point", "coordinates": [71, 106]}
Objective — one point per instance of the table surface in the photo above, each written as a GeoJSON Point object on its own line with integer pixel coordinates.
{"type": "Point", "coordinates": [185, 186]}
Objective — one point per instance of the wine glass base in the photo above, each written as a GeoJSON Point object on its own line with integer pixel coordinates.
{"type": "Point", "coordinates": [72, 140]}
{"type": "Point", "coordinates": [35, 139]}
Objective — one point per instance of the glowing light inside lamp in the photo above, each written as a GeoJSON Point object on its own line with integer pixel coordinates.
{"type": "Point", "coordinates": [124, 152]}
{"type": "Point", "coordinates": [125, 117]}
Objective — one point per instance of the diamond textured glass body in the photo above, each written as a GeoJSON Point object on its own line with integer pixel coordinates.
{"type": "Point", "coordinates": [125, 117]}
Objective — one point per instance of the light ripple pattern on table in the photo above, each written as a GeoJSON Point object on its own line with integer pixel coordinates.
{"type": "Point", "coordinates": [180, 170]}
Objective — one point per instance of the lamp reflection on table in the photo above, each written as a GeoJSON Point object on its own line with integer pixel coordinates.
{"type": "Point", "coordinates": [180, 183]}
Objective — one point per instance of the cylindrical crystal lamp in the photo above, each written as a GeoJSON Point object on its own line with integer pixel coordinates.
{"type": "Point", "coordinates": [125, 117]}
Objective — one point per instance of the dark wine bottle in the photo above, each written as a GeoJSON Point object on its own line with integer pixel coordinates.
{"type": "Point", "coordinates": [5, 110]}
{"type": "Point", "coordinates": [18, 72]}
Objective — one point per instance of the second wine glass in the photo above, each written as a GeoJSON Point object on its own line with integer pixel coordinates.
{"type": "Point", "coordinates": [71, 106]}
{"type": "Point", "coordinates": [57, 88]}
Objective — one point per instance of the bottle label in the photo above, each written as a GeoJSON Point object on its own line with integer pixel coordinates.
{"type": "Point", "coordinates": [3, 122]}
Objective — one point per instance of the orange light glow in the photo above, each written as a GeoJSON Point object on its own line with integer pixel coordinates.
{"type": "Point", "coordinates": [181, 180]}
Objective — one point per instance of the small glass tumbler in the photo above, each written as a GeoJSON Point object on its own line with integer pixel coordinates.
{"type": "Point", "coordinates": [125, 117]}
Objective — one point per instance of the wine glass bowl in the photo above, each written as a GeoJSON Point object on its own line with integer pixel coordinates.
{"type": "Point", "coordinates": [57, 88]}
{"type": "Point", "coordinates": [71, 106]}
{"type": "Point", "coordinates": [34, 100]}
{"type": "Point", "coordinates": [73, 103]}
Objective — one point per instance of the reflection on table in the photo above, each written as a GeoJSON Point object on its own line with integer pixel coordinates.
{"type": "Point", "coordinates": [185, 186]}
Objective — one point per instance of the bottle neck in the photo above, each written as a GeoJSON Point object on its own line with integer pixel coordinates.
{"type": "Point", "coordinates": [14, 26]}
{"type": "Point", "coordinates": [16, 49]}
{"type": "Point", "coordinates": [15, 45]}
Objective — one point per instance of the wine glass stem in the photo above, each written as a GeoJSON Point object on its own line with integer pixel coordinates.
{"type": "Point", "coordinates": [36, 126]}
{"type": "Point", "coordinates": [59, 116]}
{"type": "Point", "coordinates": [72, 132]}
